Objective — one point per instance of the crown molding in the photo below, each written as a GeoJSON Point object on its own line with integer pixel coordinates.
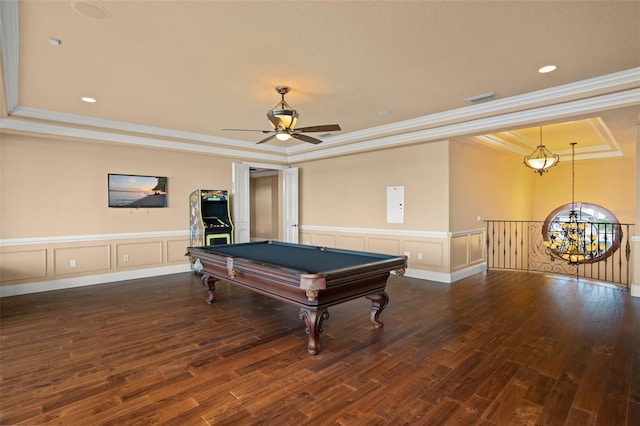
{"type": "Point", "coordinates": [608, 147]}
{"type": "Point", "coordinates": [566, 109]}
{"type": "Point", "coordinates": [583, 106]}
{"type": "Point", "coordinates": [121, 126]}
{"type": "Point", "coordinates": [614, 82]}
{"type": "Point", "coordinates": [49, 129]}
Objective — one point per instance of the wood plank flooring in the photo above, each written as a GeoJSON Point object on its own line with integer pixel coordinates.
{"type": "Point", "coordinates": [501, 348]}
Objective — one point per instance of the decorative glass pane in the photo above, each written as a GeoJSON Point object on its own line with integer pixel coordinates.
{"type": "Point", "coordinates": [581, 233]}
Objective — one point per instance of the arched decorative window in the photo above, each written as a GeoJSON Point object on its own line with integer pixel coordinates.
{"type": "Point", "coordinates": [581, 233]}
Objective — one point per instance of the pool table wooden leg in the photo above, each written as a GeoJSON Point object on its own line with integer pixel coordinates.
{"type": "Point", "coordinates": [379, 301]}
{"type": "Point", "coordinates": [210, 283]}
{"type": "Point", "coordinates": [313, 320]}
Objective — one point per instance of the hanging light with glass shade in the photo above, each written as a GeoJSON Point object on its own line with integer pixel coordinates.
{"type": "Point", "coordinates": [282, 116]}
{"type": "Point", "coordinates": [541, 160]}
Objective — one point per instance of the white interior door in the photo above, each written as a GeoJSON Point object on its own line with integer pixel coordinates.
{"type": "Point", "coordinates": [241, 203]}
{"type": "Point", "coordinates": [290, 205]}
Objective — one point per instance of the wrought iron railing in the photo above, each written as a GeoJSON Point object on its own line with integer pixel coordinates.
{"type": "Point", "coordinates": [520, 245]}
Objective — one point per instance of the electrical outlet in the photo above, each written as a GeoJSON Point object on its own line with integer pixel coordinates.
{"type": "Point", "coordinates": [408, 254]}
{"type": "Point", "coordinates": [72, 263]}
{"type": "Point", "coordinates": [125, 258]}
{"type": "Point", "coordinates": [420, 255]}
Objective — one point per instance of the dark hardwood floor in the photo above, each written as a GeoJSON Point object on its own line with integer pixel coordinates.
{"type": "Point", "coordinates": [500, 348]}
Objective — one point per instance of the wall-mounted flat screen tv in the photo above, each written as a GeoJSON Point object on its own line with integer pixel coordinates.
{"type": "Point", "coordinates": [135, 191]}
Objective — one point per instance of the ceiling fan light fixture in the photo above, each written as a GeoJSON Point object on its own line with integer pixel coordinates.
{"type": "Point", "coordinates": [284, 118]}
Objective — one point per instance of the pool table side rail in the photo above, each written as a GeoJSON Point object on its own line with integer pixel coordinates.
{"type": "Point", "coordinates": [307, 280]}
{"type": "Point", "coordinates": [284, 284]}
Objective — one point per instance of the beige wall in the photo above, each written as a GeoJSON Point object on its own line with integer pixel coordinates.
{"type": "Point", "coordinates": [265, 207]}
{"type": "Point", "coordinates": [54, 208]}
{"type": "Point", "coordinates": [607, 182]}
{"type": "Point", "coordinates": [351, 190]}
{"type": "Point", "coordinates": [504, 189]}
{"type": "Point", "coordinates": [488, 183]}
{"type": "Point", "coordinates": [52, 187]}
{"type": "Point", "coordinates": [343, 204]}
{"type": "Point", "coordinates": [54, 191]}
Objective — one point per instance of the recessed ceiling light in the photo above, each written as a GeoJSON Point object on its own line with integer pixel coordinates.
{"type": "Point", "coordinates": [55, 41]}
{"type": "Point", "coordinates": [384, 112]}
{"type": "Point", "coordinates": [547, 68]}
{"type": "Point", "coordinates": [88, 100]}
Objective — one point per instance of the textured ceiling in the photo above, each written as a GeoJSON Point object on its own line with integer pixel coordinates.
{"type": "Point", "coordinates": [200, 66]}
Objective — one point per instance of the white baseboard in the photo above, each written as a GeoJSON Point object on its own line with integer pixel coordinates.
{"type": "Point", "coordinates": [37, 287]}
{"type": "Point", "coordinates": [467, 272]}
{"type": "Point", "coordinates": [446, 278]}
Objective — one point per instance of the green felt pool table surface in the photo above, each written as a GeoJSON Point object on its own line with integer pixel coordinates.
{"type": "Point", "coordinates": [297, 257]}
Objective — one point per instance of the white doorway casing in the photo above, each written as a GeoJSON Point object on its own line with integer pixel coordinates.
{"type": "Point", "coordinates": [241, 205]}
{"type": "Point", "coordinates": [290, 205]}
{"type": "Point", "coordinates": [240, 202]}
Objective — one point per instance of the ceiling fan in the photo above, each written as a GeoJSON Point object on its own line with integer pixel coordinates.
{"type": "Point", "coordinates": [283, 118]}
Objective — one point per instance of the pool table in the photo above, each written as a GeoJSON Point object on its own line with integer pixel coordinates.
{"type": "Point", "coordinates": [313, 278]}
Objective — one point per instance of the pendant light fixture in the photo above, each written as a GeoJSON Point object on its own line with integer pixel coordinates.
{"type": "Point", "coordinates": [574, 240]}
{"type": "Point", "coordinates": [541, 159]}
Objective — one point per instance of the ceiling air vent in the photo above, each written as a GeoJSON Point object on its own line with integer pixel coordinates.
{"type": "Point", "coordinates": [482, 98]}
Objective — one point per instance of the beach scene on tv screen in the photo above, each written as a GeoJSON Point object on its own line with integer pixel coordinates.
{"type": "Point", "coordinates": [137, 191]}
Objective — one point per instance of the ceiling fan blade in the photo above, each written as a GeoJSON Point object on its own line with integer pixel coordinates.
{"type": "Point", "coordinates": [323, 128]}
{"type": "Point", "coordinates": [268, 138]}
{"type": "Point", "coordinates": [248, 130]}
{"type": "Point", "coordinates": [305, 138]}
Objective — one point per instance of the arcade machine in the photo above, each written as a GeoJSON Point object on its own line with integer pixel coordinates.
{"type": "Point", "coordinates": [210, 220]}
